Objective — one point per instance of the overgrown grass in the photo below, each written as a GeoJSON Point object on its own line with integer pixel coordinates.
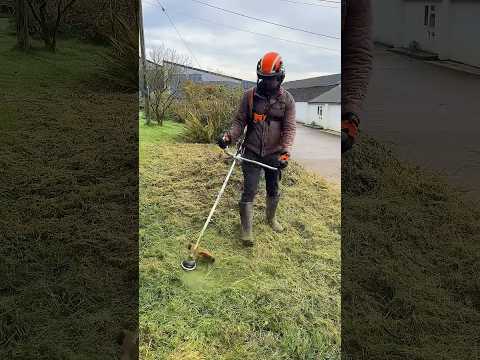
{"type": "Point", "coordinates": [64, 209]}
{"type": "Point", "coordinates": [411, 260]}
{"type": "Point", "coordinates": [279, 300]}
{"type": "Point", "coordinates": [120, 61]}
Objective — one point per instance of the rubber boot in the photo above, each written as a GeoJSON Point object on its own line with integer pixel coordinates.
{"type": "Point", "coordinates": [246, 219]}
{"type": "Point", "coordinates": [272, 203]}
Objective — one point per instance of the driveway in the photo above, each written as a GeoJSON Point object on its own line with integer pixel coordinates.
{"type": "Point", "coordinates": [429, 114]}
{"type": "Point", "coordinates": [319, 152]}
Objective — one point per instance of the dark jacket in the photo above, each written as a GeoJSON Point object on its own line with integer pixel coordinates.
{"type": "Point", "coordinates": [276, 133]}
{"type": "Point", "coordinates": [356, 53]}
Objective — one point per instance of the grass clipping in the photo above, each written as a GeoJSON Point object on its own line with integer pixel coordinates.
{"type": "Point", "coordinates": [410, 261]}
{"type": "Point", "coordinates": [68, 206]}
{"type": "Point", "coordinates": [279, 300]}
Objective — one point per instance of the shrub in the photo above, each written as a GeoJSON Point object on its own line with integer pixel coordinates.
{"type": "Point", "coordinates": [120, 63]}
{"type": "Point", "coordinates": [207, 110]}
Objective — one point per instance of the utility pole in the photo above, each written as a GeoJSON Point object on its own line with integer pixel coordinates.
{"type": "Point", "coordinates": [145, 90]}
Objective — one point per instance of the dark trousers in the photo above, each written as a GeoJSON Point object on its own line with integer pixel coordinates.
{"type": "Point", "coordinates": [252, 172]}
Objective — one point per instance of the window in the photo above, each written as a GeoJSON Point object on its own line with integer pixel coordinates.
{"type": "Point", "coordinates": [425, 19]}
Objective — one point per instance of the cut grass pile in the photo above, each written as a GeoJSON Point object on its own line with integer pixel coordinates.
{"type": "Point", "coordinates": [69, 256]}
{"type": "Point", "coordinates": [279, 300]}
{"type": "Point", "coordinates": [410, 261]}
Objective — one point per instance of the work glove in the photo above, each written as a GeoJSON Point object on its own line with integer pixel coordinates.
{"type": "Point", "coordinates": [224, 140]}
{"type": "Point", "coordinates": [283, 159]}
{"type": "Point", "coordinates": [350, 123]}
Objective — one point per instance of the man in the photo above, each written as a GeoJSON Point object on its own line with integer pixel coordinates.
{"type": "Point", "coordinates": [356, 65]}
{"type": "Point", "coordinates": [268, 112]}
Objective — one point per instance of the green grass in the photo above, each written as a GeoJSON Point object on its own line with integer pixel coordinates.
{"type": "Point", "coordinates": [4, 23]}
{"type": "Point", "coordinates": [410, 264]}
{"type": "Point", "coordinates": [64, 212]}
{"type": "Point", "coordinates": [279, 300]}
{"type": "Point", "coordinates": [169, 132]}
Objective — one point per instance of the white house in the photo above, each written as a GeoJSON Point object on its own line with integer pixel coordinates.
{"type": "Point", "coordinates": [447, 28]}
{"type": "Point", "coordinates": [318, 100]}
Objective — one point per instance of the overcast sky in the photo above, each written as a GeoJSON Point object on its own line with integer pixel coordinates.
{"type": "Point", "coordinates": [235, 52]}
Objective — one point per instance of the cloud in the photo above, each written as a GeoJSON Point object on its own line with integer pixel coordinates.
{"type": "Point", "coordinates": [236, 52]}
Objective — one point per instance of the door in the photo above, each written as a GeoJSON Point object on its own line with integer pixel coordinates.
{"type": "Point", "coordinates": [320, 113]}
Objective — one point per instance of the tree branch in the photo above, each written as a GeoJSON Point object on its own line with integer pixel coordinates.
{"type": "Point", "coordinates": [35, 15]}
{"type": "Point", "coordinates": [69, 5]}
{"type": "Point", "coordinates": [41, 11]}
{"type": "Point", "coordinates": [61, 13]}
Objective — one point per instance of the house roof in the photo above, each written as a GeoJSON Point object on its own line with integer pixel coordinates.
{"type": "Point", "coordinates": [311, 89]}
{"type": "Point", "coordinates": [202, 70]}
{"type": "Point", "coordinates": [307, 94]}
{"type": "Point", "coordinates": [150, 62]}
{"type": "Point", "coordinates": [333, 95]}
{"type": "Point", "coordinates": [327, 80]}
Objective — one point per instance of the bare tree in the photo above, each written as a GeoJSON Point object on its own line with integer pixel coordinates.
{"type": "Point", "coordinates": [21, 13]}
{"type": "Point", "coordinates": [49, 15]}
{"type": "Point", "coordinates": [165, 73]}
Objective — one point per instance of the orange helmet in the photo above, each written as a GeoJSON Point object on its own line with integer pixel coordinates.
{"type": "Point", "coordinates": [271, 64]}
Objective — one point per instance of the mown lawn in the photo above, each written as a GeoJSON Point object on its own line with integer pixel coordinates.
{"type": "Point", "coordinates": [169, 132]}
{"type": "Point", "coordinates": [279, 300]}
{"type": "Point", "coordinates": [65, 225]}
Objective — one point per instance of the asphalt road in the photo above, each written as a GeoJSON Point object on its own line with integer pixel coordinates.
{"type": "Point", "coordinates": [319, 152]}
{"type": "Point", "coordinates": [429, 114]}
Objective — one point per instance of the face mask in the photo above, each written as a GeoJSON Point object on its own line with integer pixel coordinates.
{"type": "Point", "coordinates": [269, 86]}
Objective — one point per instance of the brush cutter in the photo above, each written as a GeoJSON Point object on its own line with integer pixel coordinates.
{"type": "Point", "coordinates": [238, 157]}
{"type": "Point", "coordinates": [195, 253]}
